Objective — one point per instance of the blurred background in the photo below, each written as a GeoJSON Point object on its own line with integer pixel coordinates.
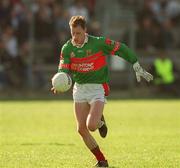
{"type": "Point", "coordinates": [33, 31]}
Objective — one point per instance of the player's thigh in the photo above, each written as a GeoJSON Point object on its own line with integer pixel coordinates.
{"type": "Point", "coordinates": [81, 111]}
{"type": "Point", "coordinates": [95, 113]}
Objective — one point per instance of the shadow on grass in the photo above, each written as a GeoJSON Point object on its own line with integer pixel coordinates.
{"type": "Point", "coordinates": [55, 144]}
{"type": "Point", "coordinates": [38, 144]}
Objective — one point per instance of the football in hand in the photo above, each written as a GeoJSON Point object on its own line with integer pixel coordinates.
{"type": "Point", "coordinates": [61, 82]}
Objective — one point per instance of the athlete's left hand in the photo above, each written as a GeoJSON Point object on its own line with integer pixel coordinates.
{"type": "Point", "coordinates": [140, 72]}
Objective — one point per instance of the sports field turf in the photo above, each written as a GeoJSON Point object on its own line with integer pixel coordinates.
{"type": "Point", "coordinates": [42, 134]}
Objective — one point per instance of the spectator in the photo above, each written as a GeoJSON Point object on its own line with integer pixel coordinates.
{"type": "Point", "coordinates": [24, 53]}
{"type": "Point", "coordinates": [18, 14]}
{"type": "Point", "coordinates": [23, 30]}
{"type": "Point", "coordinates": [161, 29]}
{"type": "Point", "coordinates": [146, 11]}
{"type": "Point", "coordinates": [2, 77]}
{"type": "Point", "coordinates": [129, 3]}
{"type": "Point", "coordinates": [2, 67]}
{"type": "Point", "coordinates": [79, 8]}
{"type": "Point", "coordinates": [43, 23]}
{"type": "Point", "coordinates": [61, 29]}
{"type": "Point", "coordinates": [91, 7]}
{"type": "Point", "coordinates": [10, 42]}
{"type": "Point", "coordinates": [60, 18]}
{"type": "Point", "coordinates": [95, 28]}
{"type": "Point", "coordinates": [145, 34]}
{"type": "Point", "coordinates": [5, 12]}
{"type": "Point", "coordinates": [11, 60]}
{"type": "Point", "coordinates": [165, 74]}
{"type": "Point", "coordinates": [173, 9]}
{"type": "Point", "coordinates": [165, 9]}
{"type": "Point", "coordinates": [165, 38]}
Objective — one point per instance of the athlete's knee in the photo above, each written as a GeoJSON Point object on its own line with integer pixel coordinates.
{"type": "Point", "coordinates": [92, 126]}
{"type": "Point", "coordinates": [82, 130]}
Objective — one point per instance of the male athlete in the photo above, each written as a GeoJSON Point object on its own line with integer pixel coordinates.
{"type": "Point", "coordinates": [85, 57]}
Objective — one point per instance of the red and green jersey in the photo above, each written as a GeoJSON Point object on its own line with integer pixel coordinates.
{"type": "Point", "coordinates": [88, 64]}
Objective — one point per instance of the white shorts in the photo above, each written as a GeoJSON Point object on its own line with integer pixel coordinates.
{"type": "Point", "coordinates": [88, 93]}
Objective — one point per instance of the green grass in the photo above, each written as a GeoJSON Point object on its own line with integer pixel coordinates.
{"type": "Point", "coordinates": [42, 134]}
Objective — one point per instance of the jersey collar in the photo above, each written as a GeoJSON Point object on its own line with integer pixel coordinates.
{"type": "Point", "coordinates": [85, 41]}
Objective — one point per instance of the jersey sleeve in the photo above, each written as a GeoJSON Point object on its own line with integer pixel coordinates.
{"type": "Point", "coordinates": [64, 62]}
{"type": "Point", "coordinates": [111, 47]}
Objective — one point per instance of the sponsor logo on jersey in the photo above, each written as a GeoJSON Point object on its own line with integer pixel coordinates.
{"type": "Point", "coordinates": [90, 63]}
{"type": "Point", "coordinates": [84, 67]}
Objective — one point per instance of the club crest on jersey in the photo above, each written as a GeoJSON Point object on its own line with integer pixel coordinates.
{"type": "Point", "coordinates": [72, 55]}
{"type": "Point", "coordinates": [88, 52]}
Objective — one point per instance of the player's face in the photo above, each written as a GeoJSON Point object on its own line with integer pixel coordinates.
{"type": "Point", "coordinates": [78, 34]}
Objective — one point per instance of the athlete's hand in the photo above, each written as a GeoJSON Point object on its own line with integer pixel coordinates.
{"type": "Point", "coordinates": [140, 72]}
{"type": "Point", "coordinates": [54, 90]}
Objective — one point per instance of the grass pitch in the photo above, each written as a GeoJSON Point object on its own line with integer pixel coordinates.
{"type": "Point", "coordinates": [42, 134]}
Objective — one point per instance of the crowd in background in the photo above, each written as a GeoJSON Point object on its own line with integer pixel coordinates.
{"type": "Point", "coordinates": [46, 21]}
{"type": "Point", "coordinates": [38, 21]}
{"type": "Point", "coordinates": [159, 23]}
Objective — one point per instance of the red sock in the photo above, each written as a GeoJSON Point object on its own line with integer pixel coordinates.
{"type": "Point", "coordinates": [98, 154]}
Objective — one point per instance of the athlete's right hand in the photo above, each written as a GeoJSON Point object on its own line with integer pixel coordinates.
{"type": "Point", "coordinates": [54, 90]}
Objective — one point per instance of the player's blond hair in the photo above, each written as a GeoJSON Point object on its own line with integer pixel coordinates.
{"type": "Point", "coordinates": [77, 21]}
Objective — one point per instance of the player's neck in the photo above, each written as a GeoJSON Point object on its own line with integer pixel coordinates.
{"type": "Point", "coordinates": [80, 45]}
